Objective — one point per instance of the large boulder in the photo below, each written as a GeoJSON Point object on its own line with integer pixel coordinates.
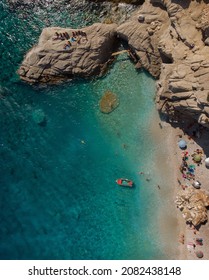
{"type": "Point", "coordinates": [108, 102]}
{"type": "Point", "coordinates": [51, 61]}
{"type": "Point", "coordinates": [193, 203]}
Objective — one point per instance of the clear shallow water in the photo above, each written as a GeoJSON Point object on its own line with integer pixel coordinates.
{"type": "Point", "coordinates": [58, 194]}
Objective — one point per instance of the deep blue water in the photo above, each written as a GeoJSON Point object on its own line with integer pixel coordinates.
{"type": "Point", "coordinates": [58, 196]}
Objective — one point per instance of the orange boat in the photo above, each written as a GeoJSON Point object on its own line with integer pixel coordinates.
{"type": "Point", "coordinates": [125, 182]}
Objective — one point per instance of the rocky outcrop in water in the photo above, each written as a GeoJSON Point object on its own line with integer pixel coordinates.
{"type": "Point", "coordinates": [59, 57]}
{"type": "Point", "coordinates": [193, 205]}
{"type": "Point", "coordinates": [108, 102]}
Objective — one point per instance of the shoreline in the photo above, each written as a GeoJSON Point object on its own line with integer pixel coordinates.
{"type": "Point", "coordinates": [168, 220]}
{"type": "Point", "coordinates": [171, 147]}
{"type": "Point", "coordinates": [171, 135]}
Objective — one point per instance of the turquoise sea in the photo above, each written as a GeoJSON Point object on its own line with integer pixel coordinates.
{"type": "Point", "coordinates": [58, 196]}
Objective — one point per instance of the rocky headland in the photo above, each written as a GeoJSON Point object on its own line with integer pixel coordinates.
{"type": "Point", "coordinates": [59, 56]}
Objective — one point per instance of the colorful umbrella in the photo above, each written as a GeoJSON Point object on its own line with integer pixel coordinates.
{"type": "Point", "coordinates": [197, 158]}
{"type": "Point", "coordinates": [207, 162]}
{"type": "Point", "coordinates": [182, 144]}
{"type": "Point", "coordinates": [199, 254]}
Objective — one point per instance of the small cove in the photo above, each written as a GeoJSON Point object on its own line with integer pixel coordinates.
{"type": "Point", "coordinates": [59, 199]}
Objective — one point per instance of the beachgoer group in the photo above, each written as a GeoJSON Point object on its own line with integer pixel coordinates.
{"type": "Point", "coordinates": [187, 170]}
{"type": "Point", "coordinates": [75, 37]}
{"type": "Point", "coordinates": [188, 173]}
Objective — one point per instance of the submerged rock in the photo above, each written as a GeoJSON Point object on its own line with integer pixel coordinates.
{"type": "Point", "coordinates": [108, 102]}
{"type": "Point", "coordinates": [193, 203]}
{"type": "Point", "coordinates": [39, 117]}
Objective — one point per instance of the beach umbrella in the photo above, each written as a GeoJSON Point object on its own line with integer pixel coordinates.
{"type": "Point", "coordinates": [199, 254]}
{"type": "Point", "coordinates": [196, 184]}
{"type": "Point", "coordinates": [182, 144]}
{"type": "Point", "coordinates": [197, 158]}
{"type": "Point", "coordinates": [207, 162]}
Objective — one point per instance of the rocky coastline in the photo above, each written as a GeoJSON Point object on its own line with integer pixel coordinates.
{"type": "Point", "coordinates": [157, 33]}
{"type": "Point", "coordinates": [58, 56]}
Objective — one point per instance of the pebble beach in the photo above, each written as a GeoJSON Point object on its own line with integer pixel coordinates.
{"type": "Point", "coordinates": [187, 235]}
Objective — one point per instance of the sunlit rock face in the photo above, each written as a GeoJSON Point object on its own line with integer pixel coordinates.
{"type": "Point", "coordinates": [170, 39]}
{"type": "Point", "coordinates": [171, 42]}
{"type": "Point", "coordinates": [71, 53]}
{"type": "Point", "coordinates": [193, 203]}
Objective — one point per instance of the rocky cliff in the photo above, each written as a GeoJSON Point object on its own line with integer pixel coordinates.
{"type": "Point", "coordinates": [183, 84]}
{"type": "Point", "coordinates": [170, 39]}
{"type": "Point", "coordinates": [60, 56]}
{"type": "Point", "coordinates": [143, 33]}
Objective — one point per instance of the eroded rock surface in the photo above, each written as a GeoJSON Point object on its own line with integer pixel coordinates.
{"type": "Point", "coordinates": [143, 33]}
{"type": "Point", "coordinates": [171, 40]}
{"type": "Point", "coordinates": [50, 61]}
{"type": "Point", "coordinates": [193, 203]}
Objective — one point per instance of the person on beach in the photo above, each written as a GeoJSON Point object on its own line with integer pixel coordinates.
{"type": "Point", "coordinates": [67, 35]}
{"type": "Point", "coordinates": [185, 165]}
{"type": "Point", "coordinates": [72, 39]}
{"type": "Point", "coordinates": [179, 182]}
{"type": "Point", "coordinates": [185, 155]}
{"type": "Point", "coordinates": [181, 238]}
{"type": "Point", "coordinates": [182, 168]}
{"type": "Point", "coordinates": [62, 37]}
{"type": "Point", "coordinates": [183, 187]}
{"type": "Point", "coordinates": [199, 241]}
{"type": "Point", "coordinates": [57, 36]}
{"type": "Point", "coordinates": [84, 35]}
{"type": "Point", "coordinates": [67, 45]}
